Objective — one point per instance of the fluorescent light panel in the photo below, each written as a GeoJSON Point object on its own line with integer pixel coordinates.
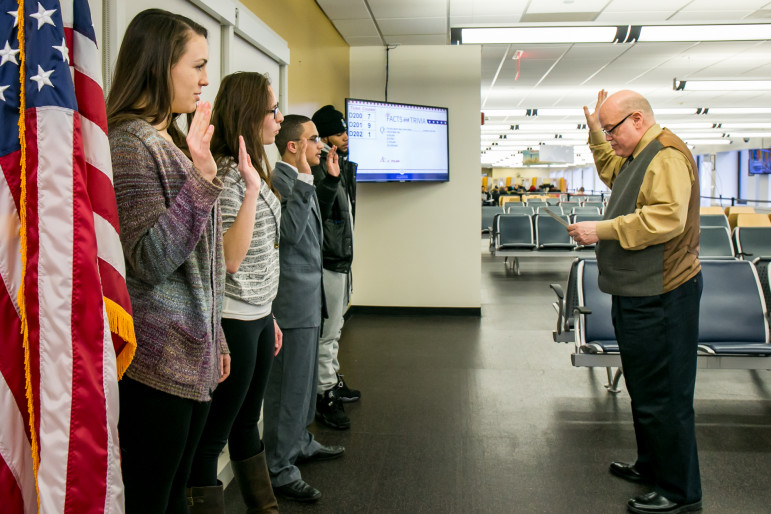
{"type": "Point", "coordinates": [721, 85]}
{"type": "Point", "coordinates": [504, 112]}
{"type": "Point", "coordinates": [614, 34]}
{"type": "Point", "coordinates": [749, 125]}
{"type": "Point", "coordinates": [579, 113]}
{"type": "Point", "coordinates": [740, 110]}
{"type": "Point", "coordinates": [708, 141]}
{"type": "Point", "coordinates": [738, 32]}
{"type": "Point", "coordinates": [538, 35]}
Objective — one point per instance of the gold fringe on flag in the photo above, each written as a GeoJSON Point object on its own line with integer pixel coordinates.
{"type": "Point", "coordinates": [122, 325]}
{"type": "Point", "coordinates": [23, 236]}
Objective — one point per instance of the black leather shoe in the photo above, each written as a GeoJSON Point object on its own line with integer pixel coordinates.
{"type": "Point", "coordinates": [655, 503]}
{"type": "Point", "coordinates": [298, 491]}
{"type": "Point", "coordinates": [324, 453]}
{"type": "Point", "coordinates": [628, 472]}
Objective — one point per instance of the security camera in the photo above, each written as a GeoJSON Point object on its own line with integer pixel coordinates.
{"type": "Point", "coordinates": [746, 139]}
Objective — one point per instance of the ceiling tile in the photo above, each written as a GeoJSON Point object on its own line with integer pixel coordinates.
{"type": "Point", "coordinates": [693, 17]}
{"type": "Point", "coordinates": [634, 18]}
{"type": "Point", "coordinates": [493, 20]}
{"type": "Point", "coordinates": [649, 5]}
{"type": "Point", "coordinates": [417, 40]}
{"type": "Point", "coordinates": [364, 41]}
{"type": "Point", "coordinates": [720, 5]}
{"type": "Point", "coordinates": [356, 28]}
{"type": "Point", "coordinates": [407, 26]}
{"type": "Point", "coordinates": [559, 17]}
{"type": "Point", "coordinates": [408, 8]}
{"type": "Point", "coordinates": [563, 6]}
{"type": "Point", "coordinates": [501, 8]}
{"type": "Point", "coordinates": [343, 9]}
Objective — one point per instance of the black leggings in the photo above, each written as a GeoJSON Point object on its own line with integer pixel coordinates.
{"type": "Point", "coordinates": [158, 434]}
{"type": "Point", "coordinates": [237, 401]}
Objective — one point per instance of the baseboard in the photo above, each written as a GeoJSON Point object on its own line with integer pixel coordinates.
{"type": "Point", "coordinates": [414, 311]}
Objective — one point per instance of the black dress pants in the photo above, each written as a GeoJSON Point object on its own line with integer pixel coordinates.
{"type": "Point", "coordinates": [236, 403]}
{"type": "Point", "coordinates": [158, 435]}
{"type": "Point", "coordinates": [657, 337]}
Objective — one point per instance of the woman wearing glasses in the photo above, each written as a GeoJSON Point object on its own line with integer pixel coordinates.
{"type": "Point", "coordinates": [245, 118]}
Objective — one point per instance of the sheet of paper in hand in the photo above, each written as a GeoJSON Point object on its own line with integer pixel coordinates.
{"type": "Point", "coordinates": [556, 217]}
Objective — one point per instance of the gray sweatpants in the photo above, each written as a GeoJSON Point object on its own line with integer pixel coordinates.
{"type": "Point", "coordinates": [337, 292]}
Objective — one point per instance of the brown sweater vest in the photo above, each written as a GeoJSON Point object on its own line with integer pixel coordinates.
{"type": "Point", "coordinates": [658, 268]}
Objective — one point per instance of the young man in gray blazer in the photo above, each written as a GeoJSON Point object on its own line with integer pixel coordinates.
{"type": "Point", "coordinates": [290, 398]}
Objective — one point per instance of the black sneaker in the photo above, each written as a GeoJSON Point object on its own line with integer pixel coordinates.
{"type": "Point", "coordinates": [329, 410]}
{"type": "Point", "coordinates": [345, 394]}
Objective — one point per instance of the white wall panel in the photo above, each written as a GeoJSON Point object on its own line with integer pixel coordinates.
{"type": "Point", "coordinates": [245, 57]}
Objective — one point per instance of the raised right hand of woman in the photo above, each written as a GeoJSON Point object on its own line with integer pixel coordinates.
{"type": "Point", "coordinates": [198, 140]}
{"type": "Point", "coordinates": [593, 119]}
{"type": "Point", "coordinates": [248, 173]}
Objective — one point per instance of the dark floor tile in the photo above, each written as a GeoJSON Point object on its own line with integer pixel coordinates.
{"type": "Point", "coordinates": [469, 415]}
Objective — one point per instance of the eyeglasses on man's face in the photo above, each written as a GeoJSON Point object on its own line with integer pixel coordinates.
{"type": "Point", "coordinates": [312, 139]}
{"type": "Point", "coordinates": [610, 131]}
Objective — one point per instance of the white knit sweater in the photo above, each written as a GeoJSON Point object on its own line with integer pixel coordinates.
{"type": "Point", "coordinates": [256, 281]}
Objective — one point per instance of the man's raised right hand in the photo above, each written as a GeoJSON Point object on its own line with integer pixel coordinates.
{"type": "Point", "coordinates": [593, 119]}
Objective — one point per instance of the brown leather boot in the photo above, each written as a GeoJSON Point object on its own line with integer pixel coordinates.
{"type": "Point", "coordinates": [206, 500]}
{"type": "Point", "coordinates": [254, 480]}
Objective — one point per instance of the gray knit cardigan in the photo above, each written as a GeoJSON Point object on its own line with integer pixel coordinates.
{"type": "Point", "coordinates": [171, 232]}
{"type": "Point", "coordinates": [256, 281]}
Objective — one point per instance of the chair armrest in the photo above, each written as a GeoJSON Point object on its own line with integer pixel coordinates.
{"type": "Point", "coordinates": [559, 305]}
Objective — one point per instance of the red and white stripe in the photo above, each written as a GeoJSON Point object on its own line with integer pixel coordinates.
{"type": "Point", "coordinates": [74, 257]}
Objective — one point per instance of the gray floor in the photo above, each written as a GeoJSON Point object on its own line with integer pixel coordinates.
{"type": "Point", "coordinates": [487, 415]}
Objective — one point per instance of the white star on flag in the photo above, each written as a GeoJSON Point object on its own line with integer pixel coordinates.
{"type": "Point", "coordinates": [8, 54]}
{"type": "Point", "coordinates": [15, 15]}
{"type": "Point", "coordinates": [63, 50]}
{"type": "Point", "coordinates": [2, 90]}
{"type": "Point", "coordinates": [43, 16]}
{"type": "Point", "coordinates": [42, 77]}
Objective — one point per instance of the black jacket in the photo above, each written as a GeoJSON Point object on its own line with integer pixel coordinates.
{"type": "Point", "coordinates": [338, 217]}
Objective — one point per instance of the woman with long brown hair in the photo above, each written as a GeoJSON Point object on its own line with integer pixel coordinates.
{"type": "Point", "coordinates": [167, 190]}
{"type": "Point", "coordinates": [246, 115]}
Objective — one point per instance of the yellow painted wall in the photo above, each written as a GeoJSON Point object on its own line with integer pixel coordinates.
{"type": "Point", "coordinates": [319, 71]}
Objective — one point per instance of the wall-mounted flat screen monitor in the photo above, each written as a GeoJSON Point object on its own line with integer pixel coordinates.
{"type": "Point", "coordinates": [393, 142]}
{"type": "Point", "coordinates": [760, 162]}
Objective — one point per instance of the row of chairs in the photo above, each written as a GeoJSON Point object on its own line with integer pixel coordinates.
{"type": "Point", "coordinates": [523, 235]}
{"type": "Point", "coordinates": [565, 208]}
{"type": "Point", "coordinates": [733, 318]}
{"type": "Point", "coordinates": [734, 216]}
{"type": "Point", "coordinates": [747, 243]}
{"type": "Point", "coordinates": [538, 231]}
{"type": "Point", "coordinates": [576, 201]}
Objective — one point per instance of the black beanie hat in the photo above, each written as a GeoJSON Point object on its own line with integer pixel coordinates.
{"type": "Point", "coordinates": [329, 121]}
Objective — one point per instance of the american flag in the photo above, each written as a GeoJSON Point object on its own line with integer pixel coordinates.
{"type": "Point", "coordinates": [66, 333]}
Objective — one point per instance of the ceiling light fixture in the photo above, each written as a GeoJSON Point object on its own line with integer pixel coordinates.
{"type": "Point", "coordinates": [740, 110]}
{"type": "Point", "coordinates": [721, 85]}
{"type": "Point", "coordinates": [708, 141]}
{"type": "Point", "coordinates": [504, 113]}
{"type": "Point", "coordinates": [610, 34]}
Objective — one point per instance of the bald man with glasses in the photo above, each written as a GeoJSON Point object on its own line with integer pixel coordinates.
{"type": "Point", "coordinates": [647, 255]}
